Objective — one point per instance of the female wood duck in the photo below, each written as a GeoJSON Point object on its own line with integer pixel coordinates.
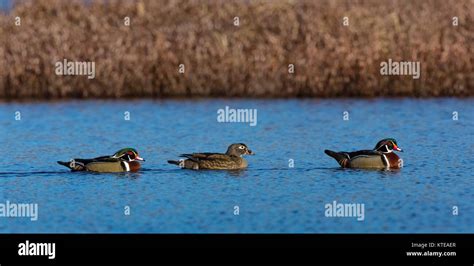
{"type": "Point", "coordinates": [381, 157]}
{"type": "Point", "coordinates": [231, 160]}
{"type": "Point", "coordinates": [124, 160]}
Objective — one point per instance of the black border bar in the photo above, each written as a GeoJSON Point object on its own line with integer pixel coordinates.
{"type": "Point", "coordinates": [238, 248]}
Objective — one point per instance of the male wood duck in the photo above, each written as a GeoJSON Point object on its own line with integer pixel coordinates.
{"type": "Point", "coordinates": [381, 157]}
{"type": "Point", "coordinates": [124, 160]}
{"type": "Point", "coordinates": [231, 160]}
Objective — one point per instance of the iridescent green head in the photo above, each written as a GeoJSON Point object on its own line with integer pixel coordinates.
{"type": "Point", "coordinates": [387, 145]}
{"type": "Point", "coordinates": [128, 154]}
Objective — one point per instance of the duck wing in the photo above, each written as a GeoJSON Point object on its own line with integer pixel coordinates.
{"type": "Point", "coordinates": [97, 159]}
{"type": "Point", "coordinates": [205, 156]}
{"type": "Point", "coordinates": [362, 153]}
{"type": "Point", "coordinates": [108, 159]}
{"type": "Point", "coordinates": [81, 164]}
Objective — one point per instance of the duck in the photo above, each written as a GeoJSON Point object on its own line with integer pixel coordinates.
{"type": "Point", "coordinates": [381, 157]}
{"type": "Point", "coordinates": [124, 160]}
{"type": "Point", "coordinates": [231, 160]}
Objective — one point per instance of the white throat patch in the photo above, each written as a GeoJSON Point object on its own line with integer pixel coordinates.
{"type": "Point", "coordinates": [386, 161]}
{"type": "Point", "coordinates": [127, 166]}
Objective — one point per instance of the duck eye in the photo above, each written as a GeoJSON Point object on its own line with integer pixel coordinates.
{"type": "Point", "coordinates": [242, 147]}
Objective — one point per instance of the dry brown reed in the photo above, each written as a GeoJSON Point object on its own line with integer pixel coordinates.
{"type": "Point", "coordinates": [250, 60]}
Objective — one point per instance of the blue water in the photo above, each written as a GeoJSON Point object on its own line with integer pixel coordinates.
{"type": "Point", "coordinates": [5, 5]}
{"type": "Point", "coordinates": [272, 196]}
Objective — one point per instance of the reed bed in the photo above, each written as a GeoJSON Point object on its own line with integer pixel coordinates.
{"type": "Point", "coordinates": [224, 60]}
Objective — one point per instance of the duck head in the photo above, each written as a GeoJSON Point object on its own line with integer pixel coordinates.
{"type": "Point", "coordinates": [128, 154]}
{"type": "Point", "coordinates": [239, 149]}
{"type": "Point", "coordinates": [387, 146]}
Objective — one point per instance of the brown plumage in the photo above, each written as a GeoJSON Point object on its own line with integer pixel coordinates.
{"type": "Point", "coordinates": [230, 160]}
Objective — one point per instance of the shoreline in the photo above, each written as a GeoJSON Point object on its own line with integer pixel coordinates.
{"type": "Point", "coordinates": [185, 99]}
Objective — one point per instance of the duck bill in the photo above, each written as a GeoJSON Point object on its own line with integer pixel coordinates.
{"type": "Point", "coordinates": [250, 152]}
{"type": "Point", "coordinates": [397, 148]}
{"type": "Point", "coordinates": [138, 158]}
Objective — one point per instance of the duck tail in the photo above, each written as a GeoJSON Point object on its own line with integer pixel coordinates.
{"type": "Point", "coordinates": [341, 158]}
{"type": "Point", "coordinates": [76, 166]}
{"type": "Point", "coordinates": [67, 164]}
{"type": "Point", "coordinates": [173, 162]}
